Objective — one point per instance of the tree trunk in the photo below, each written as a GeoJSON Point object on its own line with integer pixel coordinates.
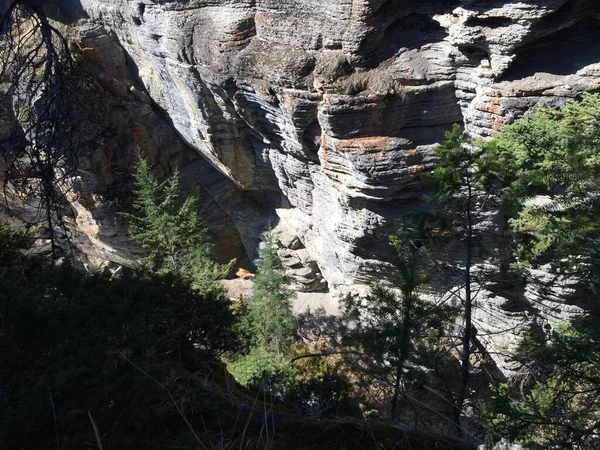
{"type": "Point", "coordinates": [467, 332]}
{"type": "Point", "coordinates": [408, 293]}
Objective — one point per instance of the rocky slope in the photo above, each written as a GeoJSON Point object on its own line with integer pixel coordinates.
{"type": "Point", "coordinates": [318, 115]}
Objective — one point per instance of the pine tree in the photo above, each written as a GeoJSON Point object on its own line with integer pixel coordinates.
{"type": "Point", "coordinates": [390, 324]}
{"type": "Point", "coordinates": [558, 406]}
{"type": "Point", "coordinates": [548, 165]}
{"type": "Point", "coordinates": [176, 237]}
{"type": "Point", "coordinates": [269, 326]}
{"type": "Point", "coordinates": [459, 191]}
{"type": "Point", "coordinates": [270, 308]}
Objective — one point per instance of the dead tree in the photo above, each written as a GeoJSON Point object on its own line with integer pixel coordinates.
{"type": "Point", "coordinates": [36, 145]}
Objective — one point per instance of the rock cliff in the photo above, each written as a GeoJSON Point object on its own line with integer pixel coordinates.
{"type": "Point", "coordinates": [317, 114]}
{"type": "Point", "coordinates": [328, 110]}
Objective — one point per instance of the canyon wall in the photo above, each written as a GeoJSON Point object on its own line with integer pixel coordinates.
{"type": "Point", "coordinates": [328, 110]}
{"type": "Point", "coordinates": [317, 115]}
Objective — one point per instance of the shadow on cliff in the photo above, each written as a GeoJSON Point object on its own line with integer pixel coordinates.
{"type": "Point", "coordinates": [64, 11]}
{"type": "Point", "coordinates": [408, 25]}
{"type": "Point", "coordinates": [561, 43]}
{"type": "Point", "coordinates": [563, 53]}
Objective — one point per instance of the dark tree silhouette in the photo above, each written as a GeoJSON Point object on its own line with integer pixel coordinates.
{"type": "Point", "coordinates": [39, 159]}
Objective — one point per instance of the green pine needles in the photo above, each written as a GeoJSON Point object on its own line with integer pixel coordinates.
{"type": "Point", "coordinates": [269, 325]}
{"type": "Point", "coordinates": [177, 238]}
{"type": "Point", "coordinates": [548, 168]}
{"type": "Point", "coordinates": [395, 328]}
{"type": "Point", "coordinates": [270, 308]}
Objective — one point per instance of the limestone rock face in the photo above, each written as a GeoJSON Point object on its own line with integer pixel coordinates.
{"type": "Point", "coordinates": [325, 111]}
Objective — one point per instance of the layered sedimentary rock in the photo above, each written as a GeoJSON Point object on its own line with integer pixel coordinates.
{"type": "Point", "coordinates": [322, 114]}
{"type": "Point", "coordinates": [116, 121]}
{"type": "Point", "coordinates": [334, 106]}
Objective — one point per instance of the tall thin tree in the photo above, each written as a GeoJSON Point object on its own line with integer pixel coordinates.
{"type": "Point", "coordinates": [460, 194]}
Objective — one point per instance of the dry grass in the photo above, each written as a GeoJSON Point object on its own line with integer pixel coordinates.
{"type": "Point", "coordinates": [376, 81]}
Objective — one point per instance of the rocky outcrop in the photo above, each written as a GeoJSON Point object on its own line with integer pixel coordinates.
{"type": "Point", "coordinates": [331, 109]}
{"type": "Point", "coordinates": [116, 121]}
{"type": "Point", "coordinates": [319, 114]}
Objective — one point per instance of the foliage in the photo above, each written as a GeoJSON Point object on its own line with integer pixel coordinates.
{"type": "Point", "coordinates": [305, 377]}
{"type": "Point", "coordinates": [323, 387]}
{"type": "Point", "coordinates": [548, 165]}
{"type": "Point", "coordinates": [12, 244]}
{"type": "Point", "coordinates": [561, 407]}
{"type": "Point", "coordinates": [270, 308]}
{"type": "Point", "coordinates": [311, 385]}
{"type": "Point", "coordinates": [269, 327]}
{"type": "Point", "coordinates": [546, 168]}
{"type": "Point", "coordinates": [178, 240]}
{"type": "Point", "coordinates": [265, 371]}
{"type": "Point", "coordinates": [326, 384]}
{"type": "Point", "coordinates": [389, 326]}
{"type": "Point", "coordinates": [461, 190]}
{"type": "Point", "coordinates": [456, 176]}
{"type": "Point", "coordinates": [133, 352]}
{"type": "Point", "coordinates": [70, 342]}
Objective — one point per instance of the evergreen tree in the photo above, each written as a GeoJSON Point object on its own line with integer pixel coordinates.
{"type": "Point", "coordinates": [388, 326]}
{"type": "Point", "coordinates": [558, 406]}
{"type": "Point", "coordinates": [270, 308]}
{"type": "Point", "coordinates": [176, 237]}
{"type": "Point", "coordinates": [460, 188]}
{"type": "Point", "coordinates": [548, 165]}
{"type": "Point", "coordinates": [270, 327]}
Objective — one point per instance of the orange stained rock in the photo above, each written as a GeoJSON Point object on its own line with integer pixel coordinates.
{"type": "Point", "coordinates": [243, 273]}
{"type": "Point", "coordinates": [289, 100]}
{"type": "Point", "coordinates": [371, 144]}
{"type": "Point", "coordinates": [358, 10]}
{"type": "Point", "coordinates": [498, 123]}
{"type": "Point", "coordinates": [233, 43]}
{"type": "Point", "coordinates": [323, 152]}
{"type": "Point", "coordinates": [239, 35]}
{"type": "Point", "coordinates": [491, 107]}
{"type": "Point", "coordinates": [260, 17]}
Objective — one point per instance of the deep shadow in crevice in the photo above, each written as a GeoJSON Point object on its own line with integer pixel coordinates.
{"type": "Point", "coordinates": [573, 10]}
{"type": "Point", "coordinates": [411, 32]}
{"type": "Point", "coordinates": [489, 22]}
{"type": "Point", "coordinates": [398, 24]}
{"type": "Point", "coordinates": [64, 11]}
{"type": "Point", "coordinates": [563, 53]}
{"type": "Point", "coordinates": [473, 54]}
{"type": "Point", "coordinates": [561, 43]}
